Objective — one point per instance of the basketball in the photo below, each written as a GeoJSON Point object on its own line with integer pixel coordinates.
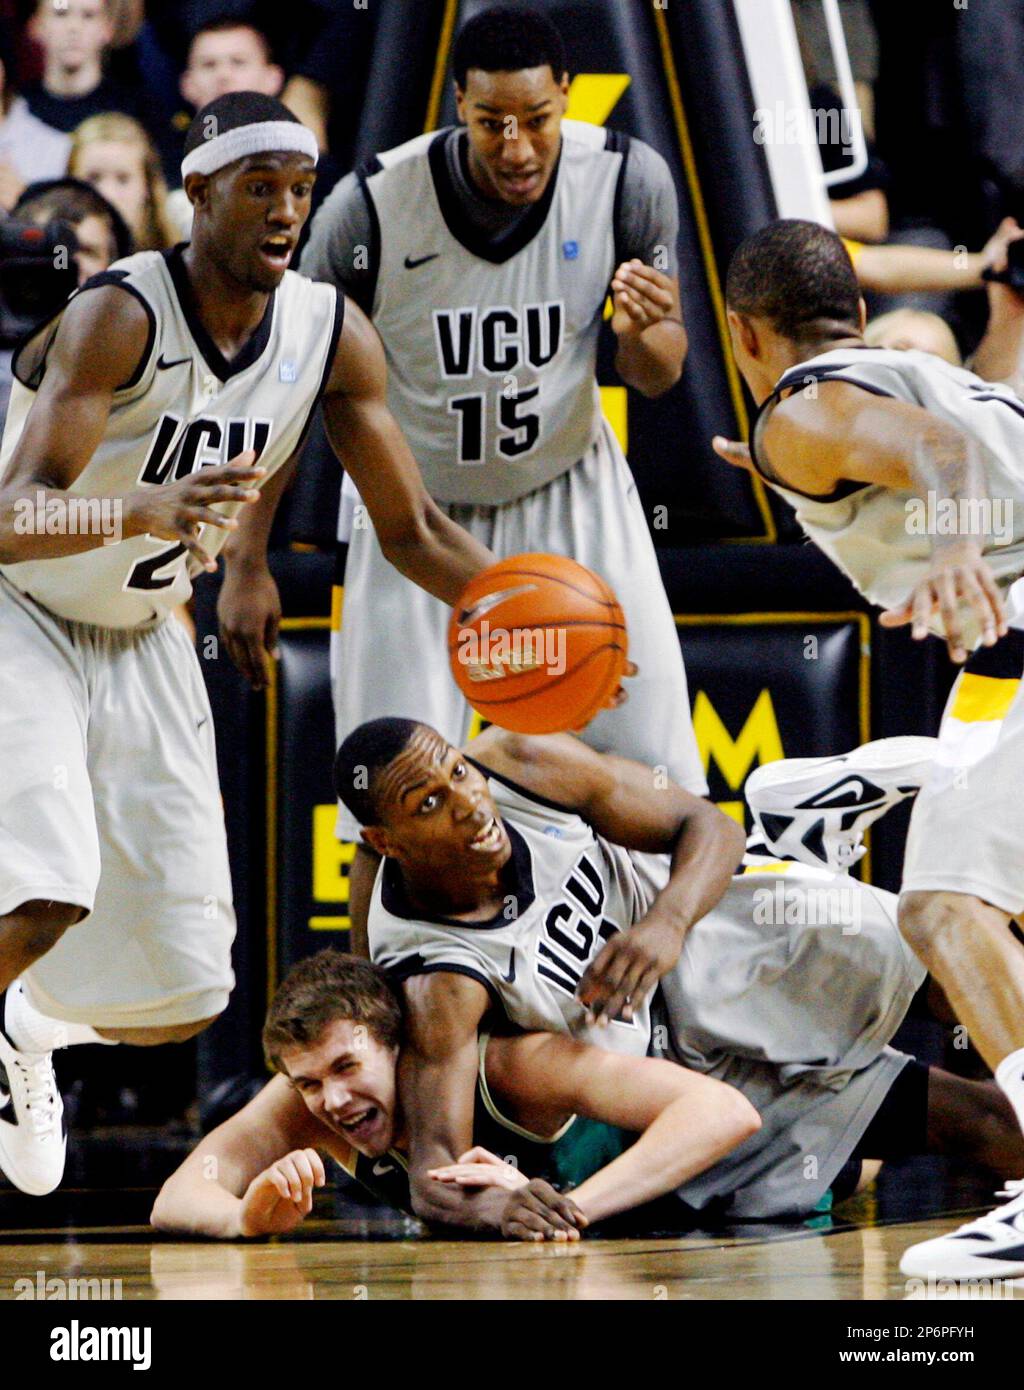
{"type": "Point", "coordinates": [537, 644]}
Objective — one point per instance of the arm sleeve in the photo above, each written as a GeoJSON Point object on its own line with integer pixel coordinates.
{"type": "Point", "coordinates": [648, 216]}
{"type": "Point", "coordinates": [342, 245]}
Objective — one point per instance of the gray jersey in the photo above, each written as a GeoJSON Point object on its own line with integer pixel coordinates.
{"type": "Point", "coordinates": [881, 537]}
{"type": "Point", "coordinates": [789, 989]}
{"type": "Point", "coordinates": [569, 891]}
{"type": "Point", "coordinates": [492, 345]}
{"type": "Point", "coordinates": [185, 408]}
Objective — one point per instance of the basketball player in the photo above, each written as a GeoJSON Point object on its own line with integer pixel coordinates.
{"type": "Point", "coordinates": [907, 472]}
{"type": "Point", "coordinates": [504, 883]}
{"type": "Point", "coordinates": [548, 1111]}
{"type": "Point", "coordinates": [333, 1032]}
{"type": "Point", "coordinates": [166, 394]}
{"type": "Point", "coordinates": [489, 300]}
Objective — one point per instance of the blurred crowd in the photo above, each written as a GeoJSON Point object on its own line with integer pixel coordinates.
{"type": "Point", "coordinates": [101, 92]}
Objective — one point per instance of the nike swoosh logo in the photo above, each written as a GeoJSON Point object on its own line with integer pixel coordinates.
{"type": "Point", "coordinates": [381, 1169]}
{"type": "Point", "coordinates": [411, 264]}
{"type": "Point", "coordinates": [179, 362]}
{"type": "Point", "coordinates": [511, 976]}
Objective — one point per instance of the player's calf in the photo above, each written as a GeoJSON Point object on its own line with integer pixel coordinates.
{"type": "Point", "coordinates": [27, 933]}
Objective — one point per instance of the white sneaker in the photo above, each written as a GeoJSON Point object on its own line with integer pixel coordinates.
{"type": "Point", "coordinates": [992, 1244]}
{"type": "Point", "coordinates": [32, 1140]}
{"type": "Point", "coordinates": [817, 809]}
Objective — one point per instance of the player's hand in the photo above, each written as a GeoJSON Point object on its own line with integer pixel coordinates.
{"type": "Point", "coordinates": [627, 969]}
{"type": "Point", "coordinates": [176, 511]}
{"type": "Point", "coordinates": [959, 584]}
{"type": "Point", "coordinates": [994, 253]}
{"type": "Point", "coordinates": [641, 297]}
{"type": "Point", "coordinates": [280, 1197]}
{"type": "Point", "coordinates": [536, 1211]}
{"type": "Point", "coordinates": [734, 452]}
{"type": "Point", "coordinates": [478, 1167]}
{"type": "Point", "coordinates": [249, 613]}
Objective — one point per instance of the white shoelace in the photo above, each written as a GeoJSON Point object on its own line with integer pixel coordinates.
{"type": "Point", "coordinates": [40, 1095]}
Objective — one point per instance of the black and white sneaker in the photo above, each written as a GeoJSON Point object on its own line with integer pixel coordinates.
{"type": "Point", "coordinates": [991, 1245]}
{"type": "Point", "coordinates": [32, 1139]}
{"type": "Point", "coordinates": [816, 810]}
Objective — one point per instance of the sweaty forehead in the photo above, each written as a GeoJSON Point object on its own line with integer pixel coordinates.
{"type": "Point", "coordinates": [425, 752]}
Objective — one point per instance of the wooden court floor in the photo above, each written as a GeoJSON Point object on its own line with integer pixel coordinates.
{"type": "Point", "coordinates": [849, 1262]}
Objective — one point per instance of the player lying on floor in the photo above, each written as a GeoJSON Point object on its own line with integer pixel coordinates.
{"type": "Point", "coordinates": [566, 1114]}
{"type": "Point", "coordinates": [790, 990]}
{"type": "Point", "coordinates": [333, 1034]}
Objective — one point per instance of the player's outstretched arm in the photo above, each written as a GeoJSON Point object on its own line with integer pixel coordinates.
{"type": "Point", "coordinates": [437, 1072]}
{"type": "Point", "coordinates": [252, 1175]}
{"type": "Point", "coordinates": [414, 534]}
{"type": "Point", "coordinates": [638, 807]}
{"type": "Point", "coordinates": [97, 349]}
{"type": "Point", "coordinates": [841, 432]}
{"type": "Point", "coordinates": [686, 1122]}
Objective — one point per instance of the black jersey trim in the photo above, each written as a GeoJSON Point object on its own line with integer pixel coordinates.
{"type": "Point", "coordinates": [1004, 661]}
{"type": "Point", "coordinates": [396, 901]}
{"type": "Point", "coordinates": [524, 791]}
{"type": "Point", "coordinates": [219, 365]}
{"type": "Point", "coordinates": [415, 965]}
{"type": "Point", "coordinates": [618, 142]}
{"type": "Point", "coordinates": [367, 290]}
{"type": "Point", "coordinates": [464, 229]}
{"type": "Point", "coordinates": [325, 375]}
{"type": "Point", "coordinates": [94, 282]}
{"type": "Point", "coordinates": [799, 376]}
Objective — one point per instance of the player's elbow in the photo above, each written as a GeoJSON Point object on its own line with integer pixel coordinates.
{"type": "Point", "coordinates": [406, 534]}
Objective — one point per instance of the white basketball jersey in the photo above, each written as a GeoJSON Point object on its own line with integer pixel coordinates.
{"type": "Point", "coordinates": [570, 891]}
{"type": "Point", "coordinates": [881, 537]}
{"type": "Point", "coordinates": [492, 350]}
{"type": "Point", "coordinates": [186, 408]}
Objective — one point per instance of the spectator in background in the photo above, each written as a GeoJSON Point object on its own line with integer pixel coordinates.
{"type": "Point", "coordinates": [114, 154]}
{"type": "Point", "coordinates": [74, 36]}
{"type": "Point", "coordinates": [99, 230]}
{"type": "Point", "coordinates": [28, 148]}
{"type": "Point", "coordinates": [102, 233]}
{"type": "Point", "coordinates": [226, 54]}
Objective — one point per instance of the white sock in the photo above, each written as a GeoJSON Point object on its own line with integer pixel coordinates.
{"type": "Point", "coordinates": [32, 1031]}
{"type": "Point", "coordinates": [1010, 1079]}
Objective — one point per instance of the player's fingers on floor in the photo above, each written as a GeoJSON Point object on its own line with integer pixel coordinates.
{"type": "Point", "coordinates": [518, 1230]}
{"type": "Point", "coordinates": [566, 1209]}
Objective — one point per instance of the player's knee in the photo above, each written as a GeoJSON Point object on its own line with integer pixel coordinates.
{"type": "Point", "coordinates": [926, 920]}
{"type": "Point", "coordinates": [36, 927]}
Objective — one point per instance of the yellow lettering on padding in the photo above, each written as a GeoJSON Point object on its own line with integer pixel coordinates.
{"type": "Point", "coordinates": [330, 857]}
{"type": "Point", "coordinates": [758, 741]}
{"type": "Point", "coordinates": [615, 407]}
{"type": "Point", "coordinates": [593, 96]}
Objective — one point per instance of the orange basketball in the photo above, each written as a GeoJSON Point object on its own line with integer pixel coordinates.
{"type": "Point", "coordinates": [537, 644]}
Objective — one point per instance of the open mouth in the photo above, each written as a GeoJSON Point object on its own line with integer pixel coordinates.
{"type": "Point", "coordinates": [487, 840]}
{"type": "Point", "coordinates": [520, 183]}
{"type": "Point", "coordinates": [360, 1126]}
{"type": "Point", "coordinates": [277, 250]}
